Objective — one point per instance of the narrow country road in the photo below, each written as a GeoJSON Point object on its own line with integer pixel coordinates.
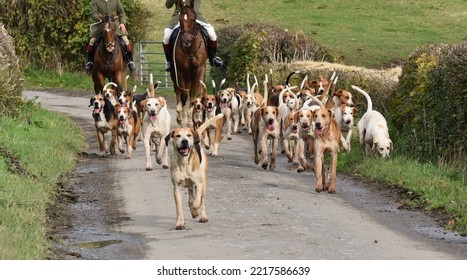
{"type": "Point", "coordinates": [125, 212]}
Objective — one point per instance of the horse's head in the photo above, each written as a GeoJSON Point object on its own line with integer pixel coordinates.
{"type": "Point", "coordinates": [109, 31]}
{"type": "Point", "coordinates": [188, 27]}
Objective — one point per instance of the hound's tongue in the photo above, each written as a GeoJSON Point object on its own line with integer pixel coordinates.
{"type": "Point", "coordinates": [271, 127]}
{"type": "Point", "coordinates": [320, 131]}
{"type": "Point", "coordinates": [96, 111]}
{"type": "Point", "coordinates": [122, 121]}
{"type": "Point", "coordinates": [224, 104]}
{"type": "Point", "coordinates": [153, 118]}
{"type": "Point", "coordinates": [184, 151]}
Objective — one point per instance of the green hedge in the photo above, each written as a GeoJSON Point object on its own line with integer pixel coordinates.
{"type": "Point", "coordinates": [428, 107]}
{"type": "Point", "coordinates": [256, 48]}
{"type": "Point", "coordinates": [53, 33]}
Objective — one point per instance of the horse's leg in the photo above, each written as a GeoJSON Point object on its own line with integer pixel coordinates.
{"type": "Point", "coordinates": [178, 93]}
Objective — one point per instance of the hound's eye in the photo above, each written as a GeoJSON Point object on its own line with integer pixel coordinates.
{"type": "Point", "coordinates": [178, 136]}
{"type": "Point", "coordinates": [381, 149]}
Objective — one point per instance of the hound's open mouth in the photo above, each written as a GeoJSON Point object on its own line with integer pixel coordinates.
{"type": "Point", "coordinates": [320, 130]}
{"type": "Point", "coordinates": [97, 110]}
{"type": "Point", "coordinates": [153, 116]}
{"type": "Point", "coordinates": [210, 107]}
{"type": "Point", "coordinates": [184, 151]}
{"type": "Point", "coordinates": [305, 127]}
{"type": "Point", "coordinates": [224, 104]}
{"type": "Point", "coordinates": [271, 127]}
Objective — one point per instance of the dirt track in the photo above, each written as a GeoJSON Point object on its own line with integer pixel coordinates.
{"type": "Point", "coordinates": [120, 211]}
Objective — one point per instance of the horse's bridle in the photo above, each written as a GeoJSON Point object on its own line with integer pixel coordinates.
{"type": "Point", "coordinates": [192, 32]}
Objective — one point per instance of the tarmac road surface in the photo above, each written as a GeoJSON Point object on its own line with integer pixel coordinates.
{"type": "Point", "coordinates": [126, 212]}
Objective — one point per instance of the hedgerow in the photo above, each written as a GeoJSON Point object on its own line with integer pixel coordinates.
{"type": "Point", "coordinates": [428, 107]}
{"type": "Point", "coordinates": [255, 47]}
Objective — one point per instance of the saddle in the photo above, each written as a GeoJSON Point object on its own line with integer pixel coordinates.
{"type": "Point", "coordinates": [203, 31]}
{"type": "Point", "coordinates": [119, 41]}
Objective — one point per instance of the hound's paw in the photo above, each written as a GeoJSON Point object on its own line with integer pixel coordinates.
{"type": "Point", "coordinates": [229, 137]}
{"type": "Point", "coordinates": [127, 157]}
{"type": "Point", "coordinates": [319, 189]}
{"type": "Point", "coordinates": [180, 227]}
{"type": "Point", "coordinates": [264, 165]}
{"type": "Point", "coordinates": [158, 160]}
{"type": "Point", "coordinates": [165, 166]}
{"type": "Point", "coordinates": [332, 190]}
{"type": "Point", "coordinates": [148, 168]}
{"type": "Point", "coordinates": [203, 220]}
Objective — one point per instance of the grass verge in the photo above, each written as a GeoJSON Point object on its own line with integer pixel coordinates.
{"type": "Point", "coordinates": [37, 151]}
{"type": "Point", "coordinates": [425, 186]}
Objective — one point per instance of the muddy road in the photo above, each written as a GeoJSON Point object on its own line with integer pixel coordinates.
{"type": "Point", "coordinates": [117, 210]}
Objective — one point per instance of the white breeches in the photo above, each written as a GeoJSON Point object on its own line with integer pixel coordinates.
{"type": "Point", "coordinates": [209, 28]}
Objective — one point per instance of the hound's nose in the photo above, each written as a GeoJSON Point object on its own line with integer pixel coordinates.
{"type": "Point", "coordinates": [318, 124]}
{"type": "Point", "coordinates": [271, 121]}
{"type": "Point", "coordinates": [185, 142]}
{"type": "Point", "coordinates": [96, 105]}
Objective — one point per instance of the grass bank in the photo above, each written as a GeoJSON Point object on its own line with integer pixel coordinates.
{"type": "Point", "coordinates": [37, 151]}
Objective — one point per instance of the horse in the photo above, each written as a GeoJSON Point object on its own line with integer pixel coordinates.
{"type": "Point", "coordinates": [108, 59]}
{"type": "Point", "coordinates": [190, 55]}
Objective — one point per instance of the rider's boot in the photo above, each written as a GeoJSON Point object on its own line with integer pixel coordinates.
{"type": "Point", "coordinates": [213, 59]}
{"type": "Point", "coordinates": [168, 57]}
{"type": "Point", "coordinates": [131, 64]}
{"type": "Point", "coordinates": [90, 63]}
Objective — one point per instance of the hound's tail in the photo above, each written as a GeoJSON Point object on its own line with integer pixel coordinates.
{"type": "Point", "coordinates": [209, 122]}
{"type": "Point", "coordinates": [368, 98]}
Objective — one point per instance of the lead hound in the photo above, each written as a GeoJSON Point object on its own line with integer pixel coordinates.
{"type": "Point", "coordinates": [189, 169]}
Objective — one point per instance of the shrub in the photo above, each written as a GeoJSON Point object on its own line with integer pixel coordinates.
{"type": "Point", "coordinates": [10, 76]}
{"type": "Point", "coordinates": [428, 107]}
{"type": "Point", "coordinates": [260, 46]}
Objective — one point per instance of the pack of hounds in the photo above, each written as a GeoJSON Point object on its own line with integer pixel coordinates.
{"type": "Point", "coordinates": [305, 122]}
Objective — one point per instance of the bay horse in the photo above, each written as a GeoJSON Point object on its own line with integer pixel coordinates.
{"type": "Point", "coordinates": [190, 55]}
{"type": "Point", "coordinates": [108, 59]}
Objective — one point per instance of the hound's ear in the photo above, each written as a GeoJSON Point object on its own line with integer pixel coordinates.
{"type": "Point", "coordinates": [91, 101]}
{"type": "Point", "coordinates": [143, 103]}
{"type": "Point", "coordinates": [391, 145]}
{"type": "Point", "coordinates": [331, 113]}
{"type": "Point", "coordinates": [167, 138]}
{"type": "Point", "coordinates": [277, 111]}
{"type": "Point", "coordinates": [375, 144]}
{"type": "Point", "coordinates": [354, 110]}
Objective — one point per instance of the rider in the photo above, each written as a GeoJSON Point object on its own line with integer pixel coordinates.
{"type": "Point", "coordinates": [174, 22]}
{"type": "Point", "coordinates": [107, 7]}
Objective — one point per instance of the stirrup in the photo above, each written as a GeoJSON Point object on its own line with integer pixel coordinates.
{"type": "Point", "coordinates": [217, 61]}
{"type": "Point", "coordinates": [89, 66]}
{"type": "Point", "coordinates": [131, 66]}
